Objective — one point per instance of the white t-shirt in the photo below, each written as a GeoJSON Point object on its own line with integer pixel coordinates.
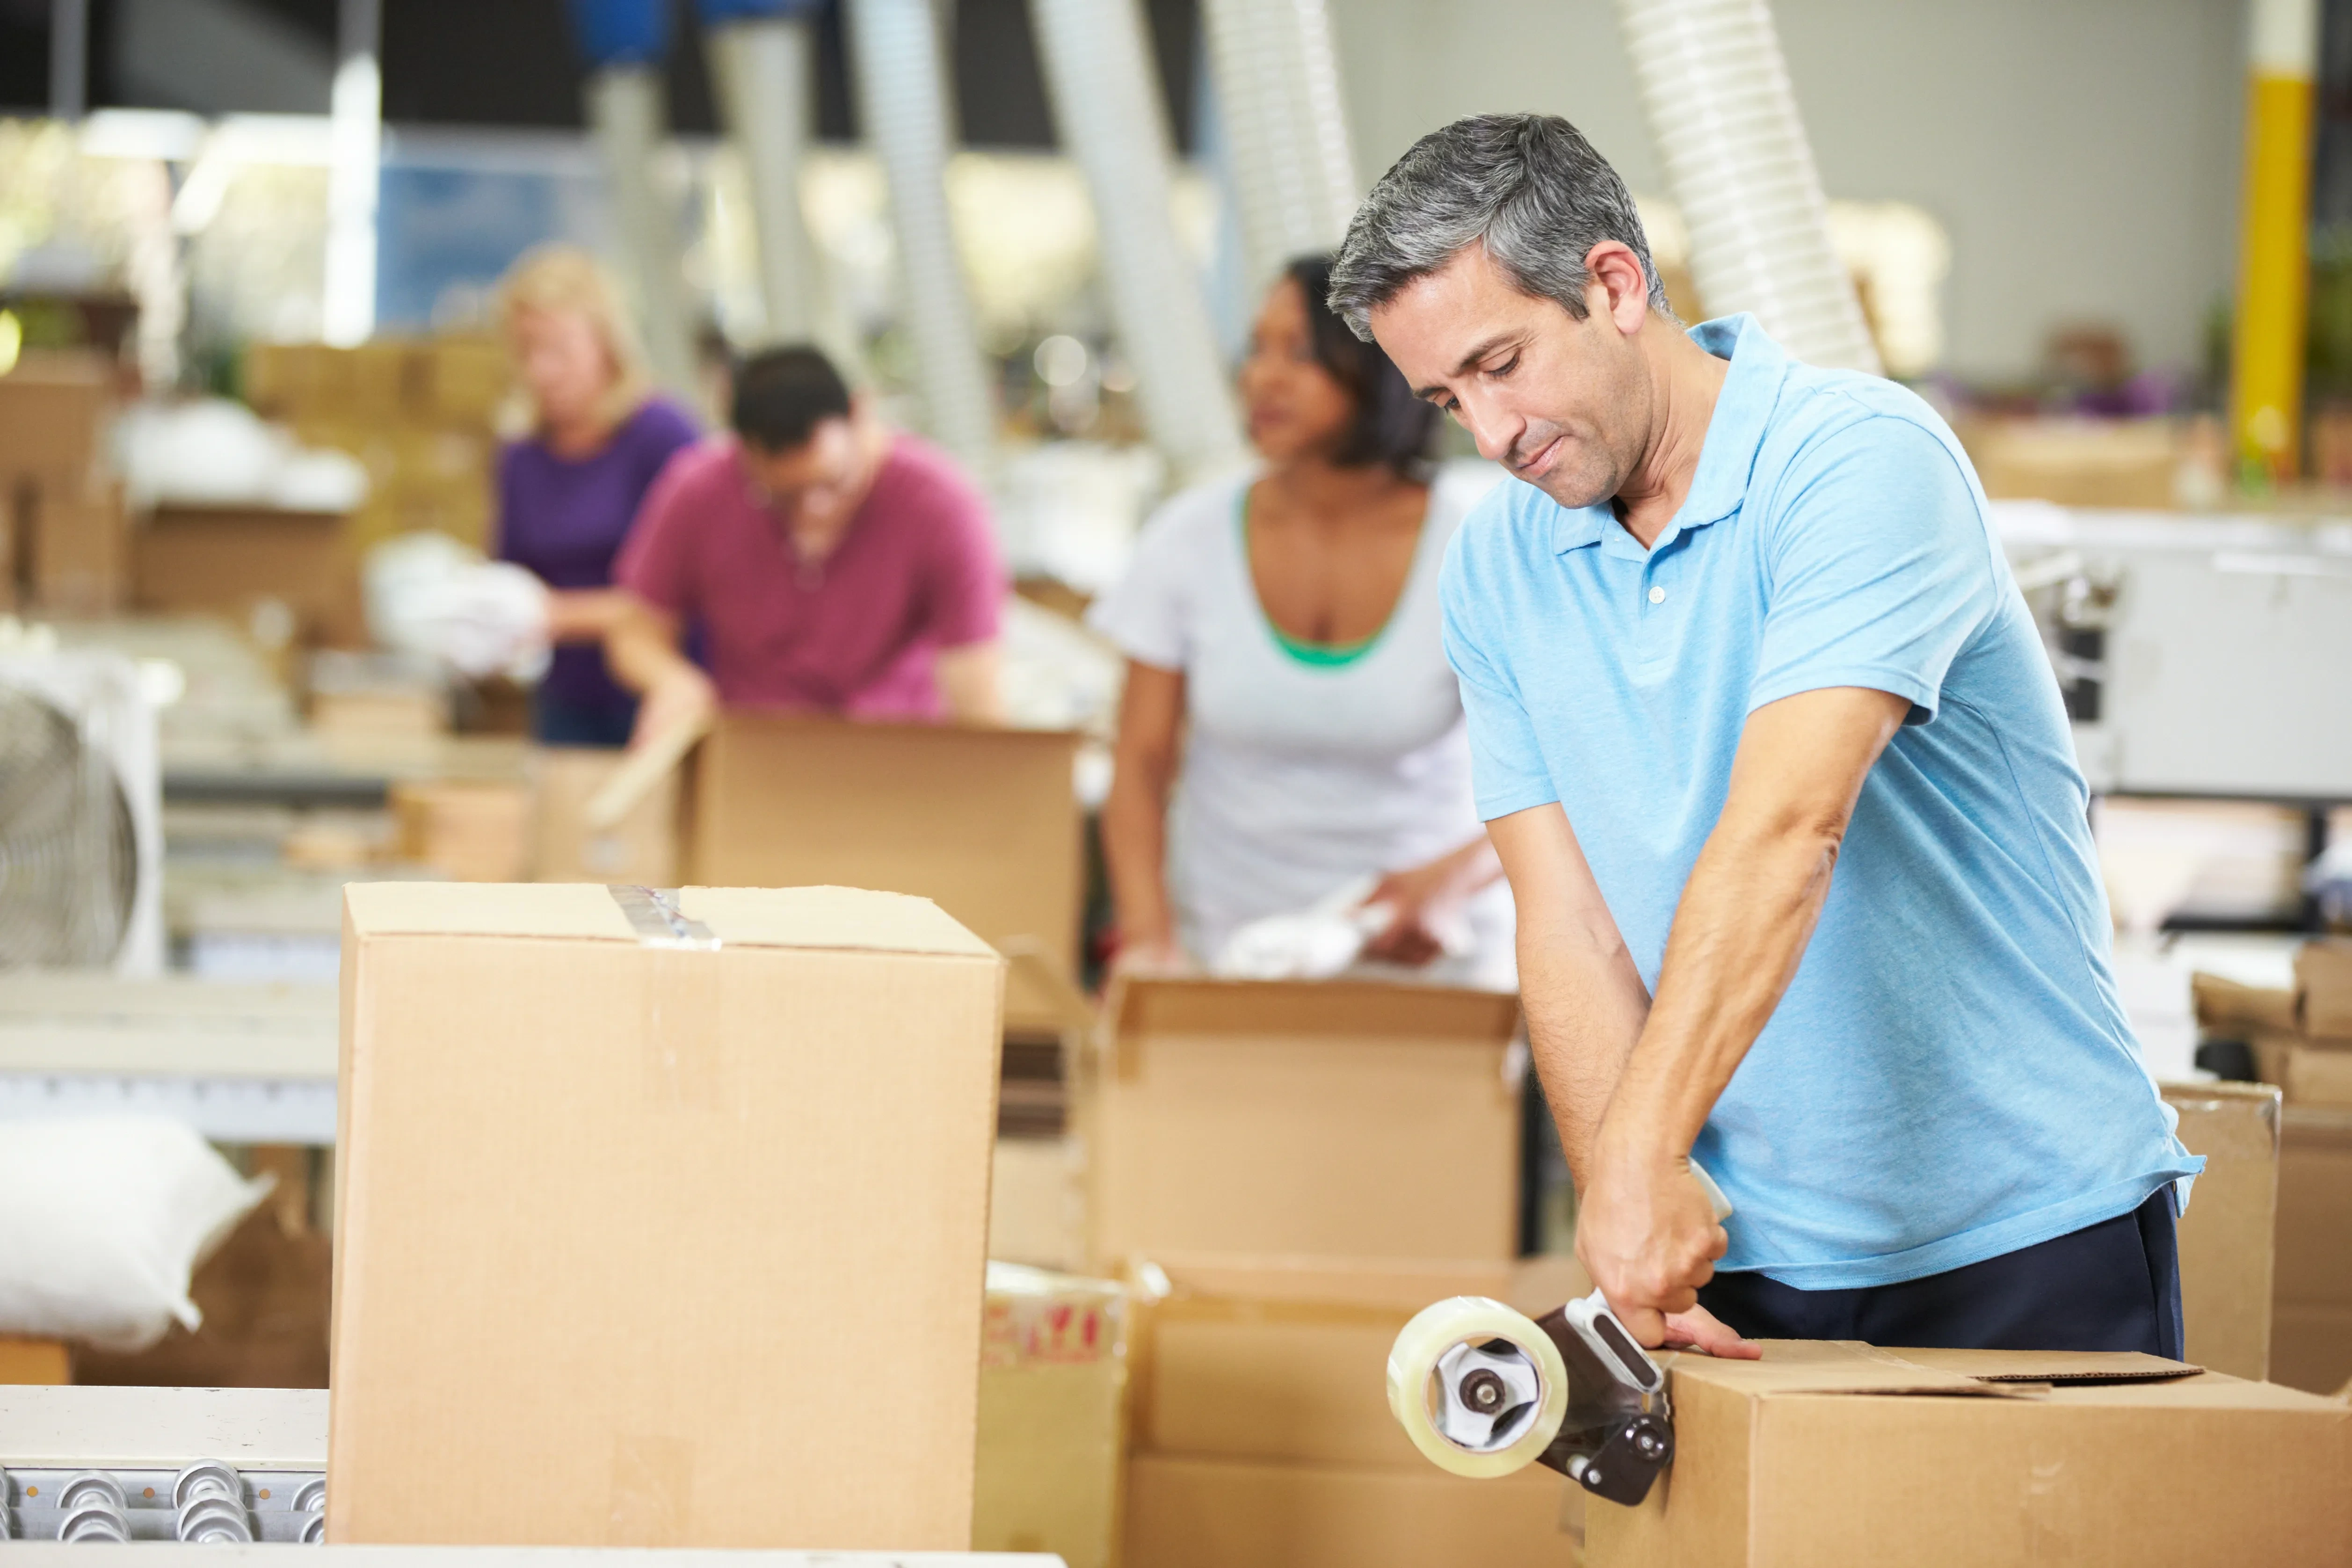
{"type": "Point", "coordinates": [1299, 778]}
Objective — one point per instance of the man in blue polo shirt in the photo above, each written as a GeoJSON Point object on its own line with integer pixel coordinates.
{"type": "Point", "coordinates": [1742, 624]}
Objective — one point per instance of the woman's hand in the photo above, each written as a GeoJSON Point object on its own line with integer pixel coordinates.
{"type": "Point", "coordinates": [1419, 895]}
{"type": "Point", "coordinates": [1160, 956]}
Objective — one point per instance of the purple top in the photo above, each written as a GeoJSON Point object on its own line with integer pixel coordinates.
{"type": "Point", "coordinates": [565, 517]}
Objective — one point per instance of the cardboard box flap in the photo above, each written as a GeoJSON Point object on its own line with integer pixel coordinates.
{"type": "Point", "coordinates": [1360, 1009]}
{"type": "Point", "coordinates": [2050, 1366]}
{"type": "Point", "coordinates": [2223, 1005]}
{"type": "Point", "coordinates": [1827, 1366]}
{"type": "Point", "coordinates": [829, 917]}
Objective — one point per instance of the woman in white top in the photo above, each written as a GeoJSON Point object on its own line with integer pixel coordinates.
{"type": "Point", "coordinates": [1290, 726]}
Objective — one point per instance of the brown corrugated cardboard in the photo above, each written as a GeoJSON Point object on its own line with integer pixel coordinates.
{"type": "Point", "coordinates": [66, 542]}
{"type": "Point", "coordinates": [984, 821]}
{"type": "Point", "coordinates": [1290, 1118]}
{"type": "Point", "coordinates": [2323, 981]}
{"type": "Point", "coordinates": [1036, 1204]}
{"type": "Point", "coordinates": [1225, 1513]}
{"type": "Point", "coordinates": [1285, 1359]}
{"type": "Point", "coordinates": [648, 1243]}
{"type": "Point", "coordinates": [1843, 1454]}
{"type": "Point", "coordinates": [2312, 1326]}
{"type": "Point", "coordinates": [1053, 1416]}
{"type": "Point", "coordinates": [2225, 1004]}
{"type": "Point", "coordinates": [469, 830]}
{"type": "Point", "coordinates": [53, 412]}
{"type": "Point", "coordinates": [2226, 1235]}
{"type": "Point", "coordinates": [641, 848]}
{"type": "Point", "coordinates": [227, 559]}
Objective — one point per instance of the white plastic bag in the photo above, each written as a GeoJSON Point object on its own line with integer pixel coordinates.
{"type": "Point", "coordinates": [427, 594]}
{"type": "Point", "coordinates": [103, 1218]}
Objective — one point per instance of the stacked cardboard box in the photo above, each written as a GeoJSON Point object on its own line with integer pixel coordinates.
{"type": "Point", "coordinates": [1262, 1434]}
{"type": "Point", "coordinates": [418, 414]}
{"type": "Point", "coordinates": [659, 1223]}
{"type": "Point", "coordinates": [468, 830]}
{"type": "Point", "coordinates": [249, 563]}
{"type": "Point", "coordinates": [2080, 462]}
{"type": "Point", "coordinates": [2301, 1038]}
{"type": "Point", "coordinates": [1053, 1415]}
{"type": "Point", "coordinates": [1844, 1453]}
{"type": "Point", "coordinates": [64, 545]}
{"type": "Point", "coordinates": [2311, 1335]}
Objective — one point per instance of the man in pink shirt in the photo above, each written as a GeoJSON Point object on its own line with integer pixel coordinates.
{"type": "Point", "coordinates": [832, 563]}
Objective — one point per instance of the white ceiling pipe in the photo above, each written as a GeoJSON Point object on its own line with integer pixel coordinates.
{"type": "Point", "coordinates": [1107, 107]}
{"type": "Point", "coordinates": [1286, 129]}
{"type": "Point", "coordinates": [903, 97]}
{"type": "Point", "coordinates": [760, 72]}
{"type": "Point", "coordinates": [1716, 92]}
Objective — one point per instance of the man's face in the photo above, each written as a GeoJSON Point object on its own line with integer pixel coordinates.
{"type": "Point", "coordinates": [1563, 404]}
{"type": "Point", "coordinates": [815, 483]}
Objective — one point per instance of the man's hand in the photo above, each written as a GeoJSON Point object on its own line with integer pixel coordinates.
{"type": "Point", "coordinates": [1647, 1234]}
{"type": "Point", "coordinates": [683, 695]}
{"type": "Point", "coordinates": [1700, 1329]}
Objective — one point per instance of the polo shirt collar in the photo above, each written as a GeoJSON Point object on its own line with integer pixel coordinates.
{"type": "Point", "coordinates": [1742, 410]}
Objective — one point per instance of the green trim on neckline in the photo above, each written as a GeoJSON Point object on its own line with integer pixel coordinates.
{"type": "Point", "coordinates": [1313, 654]}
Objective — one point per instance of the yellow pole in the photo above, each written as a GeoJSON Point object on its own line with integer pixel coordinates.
{"type": "Point", "coordinates": [2275, 241]}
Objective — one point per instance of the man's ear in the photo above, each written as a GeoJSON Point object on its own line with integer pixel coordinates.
{"type": "Point", "coordinates": [1612, 264]}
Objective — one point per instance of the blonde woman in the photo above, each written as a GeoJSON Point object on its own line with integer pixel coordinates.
{"type": "Point", "coordinates": [569, 489]}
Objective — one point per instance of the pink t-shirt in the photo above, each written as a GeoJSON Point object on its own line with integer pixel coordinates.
{"type": "Point", "coordinates": [916, 572]}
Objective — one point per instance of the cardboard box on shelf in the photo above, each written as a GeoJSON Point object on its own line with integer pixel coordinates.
{"type": "Point", "coordinates": [465, 379]}
{"type": "Point", "coordinates": [2311, 1335]}
{"type": "Point", "coordinates": [1053, 1415]}
{"type": "Point", "coordinates": [469, 830]}
{"type": "Point", "coordinates": [641, 847]}
{"type": "Point", "coordinates": [2312, 1069]}
{"type": "Point", "coordinates": [1844, 1453]}
{"type": "Point", "coordinates": [985, 821]}
{"type": "Point", "coordinates": [2323, 983]}
{"type": "Point", "coordinates": [1262, 1432]}
{"type": "Point", "coordinates": [53, 407]}
{"type": "Point", "coordinates": [2225, 1237]}
{"type": "Point", "coordinates": [228, 560]}
{"type": "Point", "coordinates": [64, 546]}
{"type": "Point", "coordinates": [1276, 1117]}
{"type": "Point", "coordinates": [2079, 462]}
{"type": "Point", "coordinates": [633, 1220]}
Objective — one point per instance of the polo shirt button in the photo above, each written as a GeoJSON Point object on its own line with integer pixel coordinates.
{"type": "Point", "coordinates": [1657, 595]}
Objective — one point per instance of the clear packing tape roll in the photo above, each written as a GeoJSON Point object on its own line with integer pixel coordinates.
{"type": "Point", "coordinates": [1478, 1387]}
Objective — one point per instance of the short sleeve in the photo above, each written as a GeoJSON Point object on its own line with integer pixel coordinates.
{"type": "Point", "coordinates": [1152, 615]}
{"type": "Point", "coordinates": [964, 599]}
{"type": "Point", "coordinates": [1878, 569]}
{"type": "Point", "coordinates": [656, 559]}
{"type": "Point", "coordinates": [1508, 770]}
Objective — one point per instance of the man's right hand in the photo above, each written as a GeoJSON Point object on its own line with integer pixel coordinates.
{"type": "Point", "coordinates": [682, 695]}
{"type": "Point", "coordinates": [1647, 1234]}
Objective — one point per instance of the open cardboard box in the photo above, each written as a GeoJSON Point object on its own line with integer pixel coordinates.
{"type": "Point", "coordinates": [984, 821]}
{"type": "Point", "coordinates": [1843, 1453]}
{"type": "Point", "coordinates": [1336, 1118]}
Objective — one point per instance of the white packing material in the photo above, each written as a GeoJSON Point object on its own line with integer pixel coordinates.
{"type": "Point", "coordinates": [1323, 939]}
{"type": "Point", "coordinates": [427, 594]}
{"type": "Point", "coordinates": [103, 1219]}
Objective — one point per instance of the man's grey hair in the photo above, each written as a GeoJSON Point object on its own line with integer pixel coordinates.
{"type": "Point", "coordinates": [1528, 186]}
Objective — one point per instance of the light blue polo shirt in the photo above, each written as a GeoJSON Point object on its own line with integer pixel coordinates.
{"type": "Point", "coordinates": [1951, 1076]}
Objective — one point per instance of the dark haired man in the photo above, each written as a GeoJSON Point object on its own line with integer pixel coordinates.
{"type": "Point", "coordinates": [832, 563]}
{"type": "Point", "coordinates": [1743, 623]}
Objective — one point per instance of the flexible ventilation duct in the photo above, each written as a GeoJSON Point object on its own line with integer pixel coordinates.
{"type": "Point", "coordinates": [1107, 107]}
{"type": "Point", "coordinates": [1717, 93]}
{"type": "Point", "coordinates": [759, 71]}
{"type": "Point", "coordinates": [903, 97]}
{"type": "Point", "coordinates": [624, 109]}
{"type": "Point", "coordinates": [1294, 173]}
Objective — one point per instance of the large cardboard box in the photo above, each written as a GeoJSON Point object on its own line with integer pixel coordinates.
{"type": "Point", "coordinates": [659, 1225]}
{"type": "Point", "coordinates": [65, 542]}
{"type": "Point", "coordinates": [641, 848]}
{"type": "Point", "coordinates": [2310, 1333]}
{"type": "Point", "coordinates": [1840, 1453]}
{"type": "Point", "coordinates": [53, 413]}
{"type": "Point", "coordinates": [1262, 1432]}
{"type": "Point", "coordinates": [2226, 1235]}
{"type": "Point", "coordinates": [227, 559]}
{"type": "Point", "coordinates": [1294, 1119]}
{"type": "Point", "coordinates": [2323, 984]}
{"type": "Point", "coordinates": [985, 821]}
{"type": "Point", "coordinates": [1053, 1415]}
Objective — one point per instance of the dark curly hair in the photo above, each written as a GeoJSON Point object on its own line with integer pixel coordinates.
{"type": "Point", "coordinates": [1391, 426]}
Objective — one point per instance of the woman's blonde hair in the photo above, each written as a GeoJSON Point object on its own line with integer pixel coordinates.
{"type": "Point", "coordinates": [566, 277]}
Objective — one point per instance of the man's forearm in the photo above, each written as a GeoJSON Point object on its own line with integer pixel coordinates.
{"type": "Point", "coordinates": [1585, 1004]}
{"type": "Point", "coordinates": [640, 653]}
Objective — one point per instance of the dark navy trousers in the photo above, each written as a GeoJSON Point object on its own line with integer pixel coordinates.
{"type": "Point", "coordinates": [2114, 1285]}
